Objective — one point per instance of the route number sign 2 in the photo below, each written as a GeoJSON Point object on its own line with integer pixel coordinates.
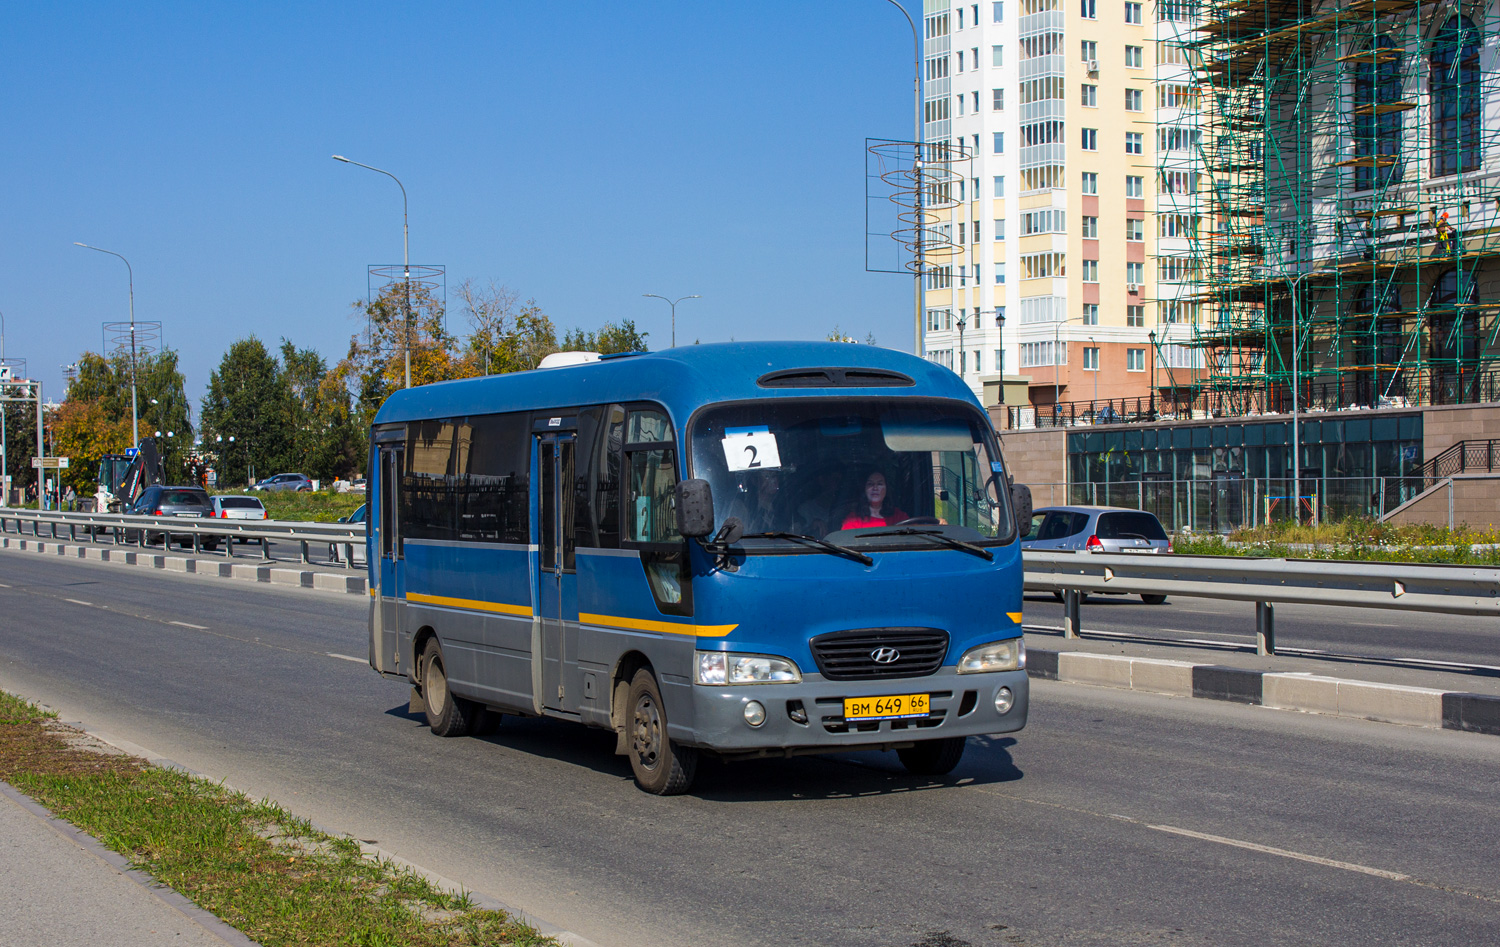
{"type": "Point", "coordinates": [751, 450]}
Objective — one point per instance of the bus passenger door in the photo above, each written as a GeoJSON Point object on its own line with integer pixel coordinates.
{"type": "Point", "coordinates": [392, 576]}
{"type": "Point", "coordinates": [558, 583]}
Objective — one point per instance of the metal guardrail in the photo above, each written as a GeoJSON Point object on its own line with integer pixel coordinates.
{"type": "Point", "coordinates": [138, 530]}
{"type": "Point", "coordinates": [1450, 590]}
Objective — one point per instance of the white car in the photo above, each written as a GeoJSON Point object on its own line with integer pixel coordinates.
{"type": "Point", "coordinates": [238, 508]}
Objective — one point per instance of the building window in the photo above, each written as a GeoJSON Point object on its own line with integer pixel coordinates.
{"type": "Point", "coordinates": [1174, 312]}
{"type": "Point", "coordinates": [1135, 360]}
{"type": "Point", "coordinates": [960, 60]}
{"type": "Point", "coordinates": [997, 56]}
{"type": "Point", "coordinates": [1135, 273]}
{"type": "Point", "coordinates": [974, 232]}
{"type": "Point", "coordinates": [1090, 50]}
{"type": "Point", "coordinates": [975, 100]}
{"type": "Point", "coordinates": [1090, 139]}
{"type": "Point", "coordinates": [1179, 182]}
{"type": "Point", "coordinates": [1133, 100]}
{"type": "Point", "coordinates": [997, 10]}
{"type": "Point", "coordinates": [961, 104]}
{"type": "Point", "coordinates": [999, 273]}
{"type": "Point", "coordinates": [1133, 13]}
{"type": "Point", "coordinates": [999, 143]}
{"type": "Point", "coordinates": [1043, 265]}
{"type": "Point", "coordinates": [1133, 143]}
{"type": "Point", "coordinates": [1135, 229]}
{"type": "Point", "coordinates": [1377, 137]}
{"type": "Point", "coordinates": [1455, 91]}
{"type": "Point", "coordinates": [1090, 358]}
{"type": "Point", "coordinates": [1087, 11]}
{"type": "Point", "coordinates": [1047, 220]}
{"type": "Point", "coordinates": [1134, 186]}
{"type": "Point", "coordinates": [1090, 96]}
{"type": "Point", "coordinates": [1183, 226]}
{"type": "Point", "coordinates": [999, 182]}
{"type": "Point", "coordinates": [961, 229]}
{"type": "Point", "coordinates": [1090, 182]}
{"type": "Point", "coordinates": [1037, 354]}
{"type": "Point", "coordinates": [1176, 96]}
{"type": "Point", "coordinates": [997, 100]}
{"type": "Point", "coordinates": [999, 228]}
{"type": "Point", "coordinates": [1135, 316]}
{"type": "Point", "coordinates": [1133, 56]}
{"type": "Point", "coordinates": [1091, 271]}
{"type": "Point", "coordinates": [1091, 228]}
{"type": "Point", "coordinates": [1090, 314]}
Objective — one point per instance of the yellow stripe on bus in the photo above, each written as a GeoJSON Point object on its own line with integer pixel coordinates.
{"type": "Point", "coordinates": [1014, 616]}
{"type": "Point", "coordinates": [667, 627]}
{"type": "Point", "coordinates": [500, 607]}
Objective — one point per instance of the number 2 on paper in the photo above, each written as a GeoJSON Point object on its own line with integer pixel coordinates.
{"type": "Point", "coordinates": [753, 451]}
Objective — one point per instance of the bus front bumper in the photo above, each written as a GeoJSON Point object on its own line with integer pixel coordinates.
{"type": "Point", "coordinates": [961, 705]}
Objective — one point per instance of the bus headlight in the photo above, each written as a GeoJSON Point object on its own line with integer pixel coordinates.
{"type": "Point", "coordinates": [1007, 655]}
{"type": "Point", "coordinates": [718, 668]}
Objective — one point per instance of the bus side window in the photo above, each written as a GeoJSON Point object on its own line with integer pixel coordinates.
{"type": "Point", "coordinates": [601, 431]}
{"type": "Point", "coordinates": [650, 500]}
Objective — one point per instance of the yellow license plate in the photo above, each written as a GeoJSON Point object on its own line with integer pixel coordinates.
{"type": "Point", "coordinates": [886, 708]}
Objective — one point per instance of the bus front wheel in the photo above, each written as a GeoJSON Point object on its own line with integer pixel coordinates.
{"type": "Point", "coordinates": [932, 757]}
{"type": "Point", "coordinates": [661, 766]}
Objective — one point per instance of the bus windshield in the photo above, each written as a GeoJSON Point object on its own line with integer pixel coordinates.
{"type": "Point", "coordinates": [872, 472]}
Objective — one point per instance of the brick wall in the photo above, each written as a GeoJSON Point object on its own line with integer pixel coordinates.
{"type": "Point", "coordinates": [1444, 426]}
{"type": "Point", "coordinates": [1476, 502]}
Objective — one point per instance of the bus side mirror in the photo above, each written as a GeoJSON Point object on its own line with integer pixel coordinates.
{"type": "Point", "coordinates": [695, 509]}
{"type": "Point", "coordinates": [1020, 504]}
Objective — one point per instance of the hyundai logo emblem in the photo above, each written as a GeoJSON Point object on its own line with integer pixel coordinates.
{"type": "Point", "coordinates": [885, 655]}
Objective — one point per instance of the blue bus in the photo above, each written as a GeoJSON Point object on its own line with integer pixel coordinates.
{"type": "Point", "coordinates": [745, 550]}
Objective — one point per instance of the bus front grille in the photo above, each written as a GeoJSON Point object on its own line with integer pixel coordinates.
{"type": "Point", "coordinates": [872, 654]}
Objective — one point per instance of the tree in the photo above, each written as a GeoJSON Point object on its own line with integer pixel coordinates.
{"type": "Point", "coordinates": [325, 442]}
{"type": "Point", "coordinates": [84, 432]}
{"type": "Point", "coordinates": [249, 402]}
{"type": "Point", "coordinates": [611, 339]}
{"type": "Point", "coordinates": [491, 311]}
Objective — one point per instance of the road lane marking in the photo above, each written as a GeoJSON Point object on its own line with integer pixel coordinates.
{"type": "Point", "coordinates": [3, 586]}
{"type": "Point", "coordinates": [1283, 852]}
{"type": "Point", "coordinates": [79, 601]}
{"type": "Point", "coordinates": [346, 657]}
{"type": "Point", "coordinates": [183, 624]}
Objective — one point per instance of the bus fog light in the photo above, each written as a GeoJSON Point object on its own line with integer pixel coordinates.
{"type": "Point", "coordinates": [1004, 700]}
{"type": "Point", "coordinates": [755, 713]}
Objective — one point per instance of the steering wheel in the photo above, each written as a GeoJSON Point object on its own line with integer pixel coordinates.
{"type": "Point", "coordinates": [919, 521]}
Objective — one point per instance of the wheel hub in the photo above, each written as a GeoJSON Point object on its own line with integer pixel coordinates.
{"type": "Point", "coordinates": [647, 736]}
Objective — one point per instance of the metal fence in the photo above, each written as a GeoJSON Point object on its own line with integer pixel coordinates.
{"type": "Point", "coordinates": [1223, 504]}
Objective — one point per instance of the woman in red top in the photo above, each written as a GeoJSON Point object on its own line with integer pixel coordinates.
{"type": "Point", "coordinates": [873, 510]}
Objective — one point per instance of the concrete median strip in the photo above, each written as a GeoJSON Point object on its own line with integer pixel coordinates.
{"type": "Point", "coordinates": [1309, 693]}
{"type": "Point", "coordinates": [351, 582]}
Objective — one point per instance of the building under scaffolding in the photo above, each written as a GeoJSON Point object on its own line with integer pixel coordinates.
{"type": "Point", "coordinates": [1329, 174]}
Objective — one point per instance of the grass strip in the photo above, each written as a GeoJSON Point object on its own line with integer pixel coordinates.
{"type": "Point", "coordinates": [253, 864]}
{"type": "Point", "coordinates": [1366, 540]}
{"type": "Point", "coordinates": [325, 506]}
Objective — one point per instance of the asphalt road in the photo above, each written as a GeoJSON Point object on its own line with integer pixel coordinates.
{"type": "Point", "coordinates": [1373, 632]}
{"type": "Point", "coordinates": [1114, 818]}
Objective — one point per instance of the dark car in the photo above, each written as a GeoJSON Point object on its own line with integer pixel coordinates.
{"type": "Point", "coordinates": [286, 481]}
{"type": "Point", "coordinates": [175, 501]}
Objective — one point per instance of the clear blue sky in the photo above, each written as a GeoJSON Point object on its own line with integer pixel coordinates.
{"type": "Point", "coordinates": [581, 153]}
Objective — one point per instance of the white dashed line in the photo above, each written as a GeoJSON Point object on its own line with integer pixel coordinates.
{"type": "Point", "coordinates": [346, 657]}
{"type": "Point", "coordinates": [79, 601]}
{"type": "Point", "coordinates": [1284, 853]}
{"type": "Point", "coordinates": [183, 624]}
{"type": "Point", "coordinates": [3, 586]}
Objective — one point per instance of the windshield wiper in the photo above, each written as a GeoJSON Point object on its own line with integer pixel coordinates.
{"type": "Point", "coordinates": [822, 544]}
{"type": "Point", "coordinates": [939, 538]}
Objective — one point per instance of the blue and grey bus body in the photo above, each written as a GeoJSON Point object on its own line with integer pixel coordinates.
{"type": "Point", "coordinates": [532, 621]}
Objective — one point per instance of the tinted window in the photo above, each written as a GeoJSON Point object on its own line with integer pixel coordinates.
{"type": "Point", "coordinates": [650, 511]}
{"type": "Point", "coordinates": [597, 483]}
{"type": "Point", "coordinates": [1057, 525]}
{"type": "Point", "coordinates": [239, 503]}
{"type": "Point", "coordinates": [427, 485]}
{"type": "Point", "coordinates": [1130, 526]}
{"type": "Point", "coordinates": [492, 479]}
{"type": "Point", "coordinates": [185, 498]}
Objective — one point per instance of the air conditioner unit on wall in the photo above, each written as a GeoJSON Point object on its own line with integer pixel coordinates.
{"type": "Point", "coordinates": [1094, 66]}
{"type": "Point", "coordinates": [1132, 288]}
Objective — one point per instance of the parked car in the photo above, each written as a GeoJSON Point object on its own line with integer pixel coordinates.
{"type": "Point", "coordinates": [358, 516]}
{"type": "Point", "coordinates": [238, 508]}
{"type": "Point", "coordinates": [163, 500]}
{"type": "Point", "coordinates": [1098, 529]}
{"type": "Point", "coordinates": [286, 481]}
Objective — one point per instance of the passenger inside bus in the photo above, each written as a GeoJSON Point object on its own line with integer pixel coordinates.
{"type": "Point", "coordinates": [874, 507]}
{"type": "Point", "coordinates": [767, 508]}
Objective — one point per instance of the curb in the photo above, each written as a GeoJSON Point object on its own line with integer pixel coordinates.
{"type": "Point", "coordinates": [352, 582]}
{"type": "Point", "coordinates": [1309, 693]}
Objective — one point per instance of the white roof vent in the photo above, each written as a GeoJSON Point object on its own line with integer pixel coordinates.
{"type": "Point", "coordinates": [564, 359]}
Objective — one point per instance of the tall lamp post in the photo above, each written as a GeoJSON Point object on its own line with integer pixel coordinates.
{"type": "Point", "coordinates": [961, 321]}
{"type": "Point", "coordinates": [135, 416]}
{"type": "Point", "coordinates": [1296, 284]}
{"type": "Point", "coordinates": [673, 303]}
{"type": "Point", "coordinates": [405, 253]}
{"type": "Point", "coordinates": [918, 296]}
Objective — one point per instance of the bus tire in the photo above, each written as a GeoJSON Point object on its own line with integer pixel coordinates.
{"type": "Point", "coordinates": [661, 766]}
{"type": "Point", "coordinates": [932, 757]}
{"type": "Point", "coordinates": [1153, 599]}
{"type": "Point", "coordinates": [447, 715]}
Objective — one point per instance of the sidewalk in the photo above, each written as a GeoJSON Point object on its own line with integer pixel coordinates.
{"type": "Point", "coordinates": [63, 887]}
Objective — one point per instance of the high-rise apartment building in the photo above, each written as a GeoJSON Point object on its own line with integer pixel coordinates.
{"type": "Point", "coordinates": [1060, 107]}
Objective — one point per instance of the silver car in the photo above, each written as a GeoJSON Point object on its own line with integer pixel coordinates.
{"type": "Point", "coordinates": [1098, 529]}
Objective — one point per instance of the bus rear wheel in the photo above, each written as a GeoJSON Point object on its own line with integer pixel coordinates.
{"type": "Point", "coordinates": [932, 757]}
{"type": "Point", "coordinates": [447, 714]}
{"type": "Point", "coordinates": [660, 766]}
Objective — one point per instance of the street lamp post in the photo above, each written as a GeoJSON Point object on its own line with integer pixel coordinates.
{"type": "Point", "coordinates": [1056, 361]}
{"type": "Point", "coordinates": [1000, 357]}
{"type": "Point", "coordinates": [135, 417]}
{"type": "Point", "coordinates": [673, 303]}
{"type": "Point", "coordinates": [919, 285]}
{"type": "Point", "coordinates": [405, 254]}
{"type": "Point", "coordinates": [1296, 285]}
{"type": "Point", "coordinates": [962, 321]}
